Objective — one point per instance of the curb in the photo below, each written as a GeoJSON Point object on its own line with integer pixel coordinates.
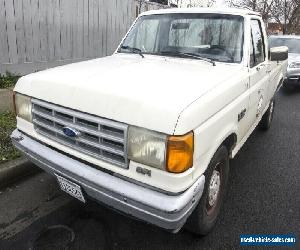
{"type": "Point", "coordinates": [14, 170]}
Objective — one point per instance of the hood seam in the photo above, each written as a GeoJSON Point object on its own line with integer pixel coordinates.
{"type": "Point", "coordinates": [186, 107]}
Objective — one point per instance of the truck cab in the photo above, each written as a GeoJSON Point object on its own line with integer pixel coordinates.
{"type": "Point", "coordinates": [150, 130]}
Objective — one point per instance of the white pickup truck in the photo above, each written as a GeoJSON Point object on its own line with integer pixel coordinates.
{"type": "Point", "coordinates": [149, 131]}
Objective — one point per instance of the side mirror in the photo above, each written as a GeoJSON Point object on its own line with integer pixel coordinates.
{"type": "Point", "coordinates": [279, 53]}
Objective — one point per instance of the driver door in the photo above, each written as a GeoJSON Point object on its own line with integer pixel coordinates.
{"type": "Point", "coordinates": [259, 72]}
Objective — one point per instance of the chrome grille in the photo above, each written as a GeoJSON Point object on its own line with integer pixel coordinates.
{"type": "Point", "coordinates": [297, 64]}
{"type": "Point", "coordinates": [98, 137]}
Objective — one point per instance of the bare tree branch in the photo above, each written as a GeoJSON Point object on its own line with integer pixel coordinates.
{"type": "Point", "coordinates": [284, 12]}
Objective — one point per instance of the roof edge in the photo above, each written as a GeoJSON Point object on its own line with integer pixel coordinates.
{"type": "Point", "coordinates": [233, 11]}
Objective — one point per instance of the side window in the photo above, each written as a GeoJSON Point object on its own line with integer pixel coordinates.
{"type": "Point", "coordinates": [258, 43]}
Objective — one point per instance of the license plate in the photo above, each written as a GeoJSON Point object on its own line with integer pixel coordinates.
{"type": "Point", "coordinates": [70, 188]}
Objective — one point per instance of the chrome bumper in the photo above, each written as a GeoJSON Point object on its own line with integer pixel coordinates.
{"type": "Point", "coordinates": [293, 77]}
{"type": "Point", "coordinates": [167, 211]}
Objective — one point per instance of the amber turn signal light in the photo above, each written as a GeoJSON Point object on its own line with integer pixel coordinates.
{"type": "Point", "coordinates": [180, 152]}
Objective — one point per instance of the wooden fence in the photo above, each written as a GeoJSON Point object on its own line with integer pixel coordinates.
{"type": "Point", "coordinates": [38, 34]}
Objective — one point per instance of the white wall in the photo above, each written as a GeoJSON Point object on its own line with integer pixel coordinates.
{"type": "Point", "coordinates": [38, 34]}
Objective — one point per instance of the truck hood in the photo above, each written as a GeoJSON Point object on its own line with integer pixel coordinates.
{"type": "Point", "coordinates": [148, 92]}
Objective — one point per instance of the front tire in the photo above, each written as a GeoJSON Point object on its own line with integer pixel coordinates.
{"type": "Point", "coordinates": [267, 118]}
{"type": "Point", "coordinates": [206, 213]}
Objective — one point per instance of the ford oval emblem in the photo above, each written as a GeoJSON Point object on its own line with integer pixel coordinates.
{"type": "Point", "coordinates": [70, 132]}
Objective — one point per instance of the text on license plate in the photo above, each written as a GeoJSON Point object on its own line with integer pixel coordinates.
{"type": "Point", "coordinates": [70, 188]}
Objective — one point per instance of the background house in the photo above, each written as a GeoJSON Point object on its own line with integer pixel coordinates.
{"type": "Point", "coordinates": [190, 3]}
{"type": "Point", "coordinates": [274, 28]}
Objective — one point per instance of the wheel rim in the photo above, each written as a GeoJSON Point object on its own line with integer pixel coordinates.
{"type": "Point", "coordinates": [214, 188]}
{"type": "Point", "coordinates": [271, 112]}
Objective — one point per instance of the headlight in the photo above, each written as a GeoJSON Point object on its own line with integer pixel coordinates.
{"type": "Point", "coordinates": [147, 147]}
{"type": "Point", "coordinates": [294, 65]}
{"type": "Point", "coordinates": [23, 106]}
{"type": "Point", "coordinates": [170, 153]}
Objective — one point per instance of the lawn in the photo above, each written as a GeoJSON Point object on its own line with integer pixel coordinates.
{"type": "Point", "coordinates": [7, 125]}
{"type": "Point", "coordinates": [8, 81]}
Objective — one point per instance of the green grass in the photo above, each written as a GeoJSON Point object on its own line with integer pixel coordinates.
{"type": "Point", "coordinates": [7, 125]}
{"type": "Point", "coordinates": [8, 81]}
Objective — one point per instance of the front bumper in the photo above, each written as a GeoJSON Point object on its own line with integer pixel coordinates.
{"type": "Point", "coordinates": [164, 210]}
{"type": "Point", "coordinates": [292, 77]}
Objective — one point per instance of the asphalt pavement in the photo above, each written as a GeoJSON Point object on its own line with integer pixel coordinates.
{"type": "Point", "coordinates": [263, 198]}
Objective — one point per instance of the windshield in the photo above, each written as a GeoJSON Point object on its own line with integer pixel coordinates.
{"type": "Point", "coordinates": [292, 43]}
{"type": "Point", "coordinates": [211, 36]}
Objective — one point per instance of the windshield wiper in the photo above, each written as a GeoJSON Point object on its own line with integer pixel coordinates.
{"type": "Point", "coordinates": [134, 50]}
{"type": "Point", "coordinates": [191, 55]}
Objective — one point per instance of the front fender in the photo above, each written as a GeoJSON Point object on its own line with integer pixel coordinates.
{"type": "Point", "coordinates": [208, 139]}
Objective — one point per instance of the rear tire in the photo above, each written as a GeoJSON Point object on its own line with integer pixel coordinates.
{"type": "Point", "coordinates": [206, 213]}
{"type": "Point", "coordinates": [267, 118]}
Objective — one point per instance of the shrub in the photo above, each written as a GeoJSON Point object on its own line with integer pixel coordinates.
{"type": "Point", "coordinates": [8, 81]}
{"type": "Point", "coordinates": [7, 125]}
